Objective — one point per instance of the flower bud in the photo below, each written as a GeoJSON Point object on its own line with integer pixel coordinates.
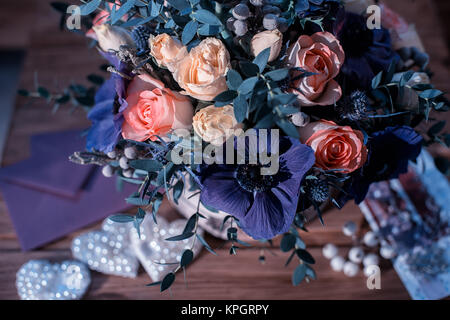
{"type": "Point", "coordinates": [267, 39]}
{"type": "Point", "coordinates": [112, 37]}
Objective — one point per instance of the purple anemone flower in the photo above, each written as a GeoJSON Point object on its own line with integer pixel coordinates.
{"type": "Point", "coordinates": [265, 205]}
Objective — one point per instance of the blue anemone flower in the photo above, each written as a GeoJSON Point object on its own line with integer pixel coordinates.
{"type": "Point", "coordinates": [390, 152]}
{"type": "Point", "coordinates": [265, 205]}
{"type": "Point", "coordinates": [107, 122]}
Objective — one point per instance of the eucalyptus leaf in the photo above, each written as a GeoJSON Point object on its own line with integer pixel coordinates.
{"type": "Point", "coordinates": [262, 58]}
{"type": "Point", "coordinates": [186, 258]}
{"type": "Point", "coordinates": [189, 32]}
{"type": "Point", "coordinates": [167, 282]}
{"type": "Point", "coordinates": [207, 17]}
{"type": "Point", "coordinates": [148, 165]}
{"type": "Point", "coordinates": [299, 274]}
{"type": "Point", "coordinates": [89, 7]}
{"type": "Point", "coordinates": [121, 218]}
{"type": "Point", "coordinates": [234, 79]}
{"type": "Point", "coordinates": [305, 256]}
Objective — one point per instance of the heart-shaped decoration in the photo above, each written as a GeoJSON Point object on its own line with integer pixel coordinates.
{"type": "Point", "coordinates": [42, 280]}
{"type": "Point", "coordinates": [155, 252]}
{"type": "Point", "coordinates": [107, 250]}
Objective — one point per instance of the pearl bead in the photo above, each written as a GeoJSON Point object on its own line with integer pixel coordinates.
{"type": "Point", "coordinates": [349, 229]}
{"type": "Point", "coordinates": [337, 263]}
{"type": "Point", "coordinates": [351, 269]}
{"type": "Point", "coordinates": [123, 163]}
{"type": "Point", "coordinates": [371, 260]}
{"type": "Point", "coordinates": [387, 252]}
{"type": "Point", "coordinates": [371, 239]}
{"type": "Point", "coordinates": [356, 254]}
{"type": "Point", "coordinates": [330, 251]}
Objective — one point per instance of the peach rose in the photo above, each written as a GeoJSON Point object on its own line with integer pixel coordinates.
{"type": "Point", "coordinates": [167, 50]}
{"type": "Point", "coordinates": [335, 147]}
{"type": "Point", "coordinates": [154, 110]}
{"type": "Point", "coordinates": [322, 54]}
{"type": "Point", "coordinates": [202, 73]}
{"type": "Point", "coordinates": [215, 125]}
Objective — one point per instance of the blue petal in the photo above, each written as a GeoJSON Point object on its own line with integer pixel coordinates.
{"type": "Point", "coordinates": [298, 159]}
{"type": "Point", "coordinates": [266, 218]}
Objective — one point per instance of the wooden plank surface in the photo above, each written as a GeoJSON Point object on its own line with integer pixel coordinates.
{"type": "Point", "coordinates": [62, 58]}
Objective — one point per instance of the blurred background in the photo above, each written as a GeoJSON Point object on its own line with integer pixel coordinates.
{"type": "Point", "coordinates": [33, 50]}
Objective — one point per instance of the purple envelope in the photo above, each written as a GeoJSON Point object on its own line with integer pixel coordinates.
{"type": "Point", "coordinates": [49, 168]}
{"type": "Point", "coordinates": [48, 196]}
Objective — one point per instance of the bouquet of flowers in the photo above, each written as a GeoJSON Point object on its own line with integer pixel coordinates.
{"type": "Point", "coordinates": [266, 108]}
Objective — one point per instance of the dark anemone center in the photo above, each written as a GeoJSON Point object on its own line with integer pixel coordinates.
{"type": "Point", "coordinates": [250, 178]}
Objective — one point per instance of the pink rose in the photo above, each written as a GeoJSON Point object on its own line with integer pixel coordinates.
{"type": "Point", "coordinates": [322, 54]}
{"type": "Point", "coordinates": [335, 147]}
{"type": "Point", "coordinates": [154, 110]}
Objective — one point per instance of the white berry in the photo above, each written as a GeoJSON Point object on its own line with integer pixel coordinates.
{"type": "Point", "coordinates": [371, 239]}
{"type": "Point", "coordinates": [351, 269]}
{"type": "Point", "coordinates": [370, 270]}
{"type": "Point", "coordinates": [128, 173]}
{"type": "Point", "coordinates": [112, 154]}
{"type": "Point", "coordinates": [330, 251]}
{"type": "Point", "coordinates": [123, 163]}
{"type": "Point", "coordinates": [337, 263]}
{"type": "Point", "coordinates": [371, 260]}
{"type": "Point", "coordinates": [349, 229]}
{"type": "Point", "coordinates": [356, 254]}
{"type": "Point", "coordinates": [130, 153]}
{"type": "Point", "coordinates": [108, 171]}
{"type": "Point", "coordinates": [387, 252]}
{"type": "Point", "coordinates": [241, 12]}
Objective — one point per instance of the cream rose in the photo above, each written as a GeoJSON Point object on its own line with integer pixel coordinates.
{"type": "Point", "coordinates": [215, 124]}
{"type": "Point", "coordinates": [167, 50]}
{"type": "Point", "coordinates": [267, 39]}
{"type": "Point", "coordinates": [202, 73]}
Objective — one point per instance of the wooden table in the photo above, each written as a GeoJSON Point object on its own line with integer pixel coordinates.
{"type": "Point", "coordinates": [61, 58]}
